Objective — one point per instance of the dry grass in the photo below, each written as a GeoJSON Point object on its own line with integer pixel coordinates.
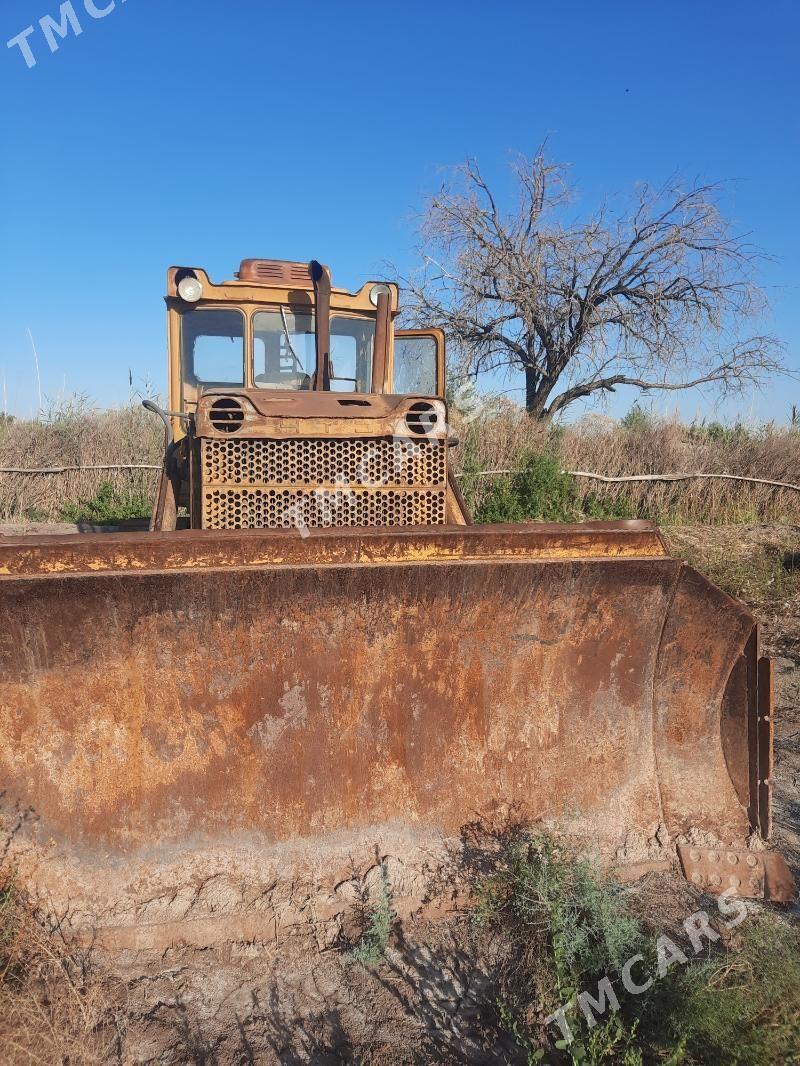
{"type": "Point", "coordinates": [647, 446]}
{"type": "Point", "coordinates": [75, 434]}
{"type": "Point", "coordinates": [760, 565]}
{"type": "Point", "coordinates": [54, 1008]}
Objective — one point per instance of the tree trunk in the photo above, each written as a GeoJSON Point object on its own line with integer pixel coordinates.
{"type": "Point", "coordinates": [531, 381]}
{"type": "Point", "coordinates": [535, 394]}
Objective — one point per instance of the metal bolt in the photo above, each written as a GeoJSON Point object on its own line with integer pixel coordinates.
{"type": "Point", "coordinates": [698, 880]}
{"type": "Point", "coordinates": [715, 879]}
{"type": "Point", "coordinates": [694, 856]}
{"type": "Point", "coordinates": [752, 860]}
{"type": "Point", "coordinates": [732, 859]}
{"type": "Point", "coordinates": [713, 856]}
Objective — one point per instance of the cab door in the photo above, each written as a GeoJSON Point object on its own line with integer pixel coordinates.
{"type": "Point", "coordinates": [417, 369]}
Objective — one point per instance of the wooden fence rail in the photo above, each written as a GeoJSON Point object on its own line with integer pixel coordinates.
{"type": "Point", "coordinates": [644, 477]}
{"type": "Point", "coordinates": [76, 469]}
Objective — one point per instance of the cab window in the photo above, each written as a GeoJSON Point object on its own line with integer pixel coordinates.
{"type": "Point", "coordinates": [212, 346]}
{"type": "Point", "coordinates": [415, 363]}
{"type": "Point", "coordinates": [352, 343]}
{"type": "Point", "coordinates": [284, 350]}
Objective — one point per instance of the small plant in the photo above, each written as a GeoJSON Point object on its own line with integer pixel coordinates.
{"type": "Point", "coordinates": [540, 491]}
{"type": "Point", "coordinates": [68, 412]}
{"type": "Point", "coordinates": [517, 1030]}
{"type": "Point", "coordinates": [740, 1007]}
{"type": "Point", "coordinates": [8, 932]}
{"type": "Point", "coordinates": [718, 433]}
{"type": "Point", "coordinates": [33, 514]}
{"type": "Point", "coordinates": [55, 1007]}
{"type": "Point", "coordinates": [371, 947]}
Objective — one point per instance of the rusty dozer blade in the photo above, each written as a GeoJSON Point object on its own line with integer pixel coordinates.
{"type": "Point", "coordinates": [189, 719]}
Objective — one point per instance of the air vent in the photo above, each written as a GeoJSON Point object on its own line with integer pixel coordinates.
{"type": "Point", "coordinates": [275, 272]}
{"type": "Point", "coordinates": [422, 418]}
{"type": "Point", "coordinates": [226, 415]}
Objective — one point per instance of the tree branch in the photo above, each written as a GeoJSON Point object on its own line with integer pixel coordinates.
{"type": "Point", "coordinates": [650, 291]}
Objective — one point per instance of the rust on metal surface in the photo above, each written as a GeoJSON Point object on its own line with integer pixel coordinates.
{"type": "Point", "coordinates": [628, 872]}
{"type": "Point", "coordinates": [355, 458]}
{"type": "Point", "coordinates": [268, 693]}
{"type": "Point", "coordinates": [184, 689]}
{"type": "Point", "coordinates": [322, 321]}
{"type": "Point", "coordinates": [275, 272]}
{"type": "Point", "coordinates": [765, 743]}
{"type": "Point", "coordinates": [383, 338]}
{"type": "Point", "coordinates": [193, 550]}
{"type": "Point", "coordinates": [257, 483]}
{"type": "Point", "coordinates": [708, 699]}
{"type": "Point", "coordinates": [748, 873]}
{"type": "Point", "coordinates": [278, 415]}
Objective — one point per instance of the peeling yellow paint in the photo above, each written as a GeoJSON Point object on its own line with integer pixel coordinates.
{"type": "Point", "coordinates": [459, 545]}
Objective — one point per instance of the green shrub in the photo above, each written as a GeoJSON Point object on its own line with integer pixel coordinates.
{"type": "Point", "coordinates": [637, 420]}
{"type": "Point", "coordinates": [718, 433]}
{"type": "Point", "coordinates": [8, 932]}
{"type": "Point", "coordinates": [740, 1008]}
{"type": "Point", "coordinates": [542, 491]}
{"type": "Point", "coordinates": [566, 926]}
{"type": "Point", "coordinates": [108, 505]}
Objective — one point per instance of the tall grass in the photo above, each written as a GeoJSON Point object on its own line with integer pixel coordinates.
{"type": "Point", "coordinates": [507, 439]}
{"type": "Point", "coordinates": [75, 434]}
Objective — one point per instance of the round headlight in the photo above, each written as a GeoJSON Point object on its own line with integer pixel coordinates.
{"type": "Point", "coordinates": [379, 290]}
{"type": "Point", "coordinates": [190, 290]}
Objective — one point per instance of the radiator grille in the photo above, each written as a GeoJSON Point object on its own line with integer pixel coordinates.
{"type": "Point", "coordinates": [248, 508]}
{"type": "Point", "coordinates": [323, 483]}
{"type": "Point", "coordinates": [368, 461]}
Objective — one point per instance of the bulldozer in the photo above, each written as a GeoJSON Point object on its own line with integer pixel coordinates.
{"type": "Point", "coordinates": [314, 656]}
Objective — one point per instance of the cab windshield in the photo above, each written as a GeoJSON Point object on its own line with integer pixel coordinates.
{"type": "Point", "coordinates": [284, 351]}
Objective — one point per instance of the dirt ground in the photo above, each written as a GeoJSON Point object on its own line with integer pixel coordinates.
{"type": "Point", "coordinates": [427, 999]}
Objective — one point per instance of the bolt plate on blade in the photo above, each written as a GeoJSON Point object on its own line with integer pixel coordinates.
{"type": "Point", "coordinates": [752, 874]}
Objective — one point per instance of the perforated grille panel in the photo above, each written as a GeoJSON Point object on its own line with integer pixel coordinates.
{"type": "Point", "coordinates": [248, 508]}
{"type": "Point", "coordinates": [280, 484]}
{"type": "Point", "coordinates": [369, 461]}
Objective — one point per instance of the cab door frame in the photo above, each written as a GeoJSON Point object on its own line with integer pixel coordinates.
{"type": "Point", "coordinates": [437, 335]}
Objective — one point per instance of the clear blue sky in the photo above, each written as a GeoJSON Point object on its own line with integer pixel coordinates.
{"type": "Point", "coordinates": [205, 132]}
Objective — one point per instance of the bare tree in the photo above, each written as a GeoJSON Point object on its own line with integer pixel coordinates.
{"type": "Point", "coordinates": [656, 295]}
